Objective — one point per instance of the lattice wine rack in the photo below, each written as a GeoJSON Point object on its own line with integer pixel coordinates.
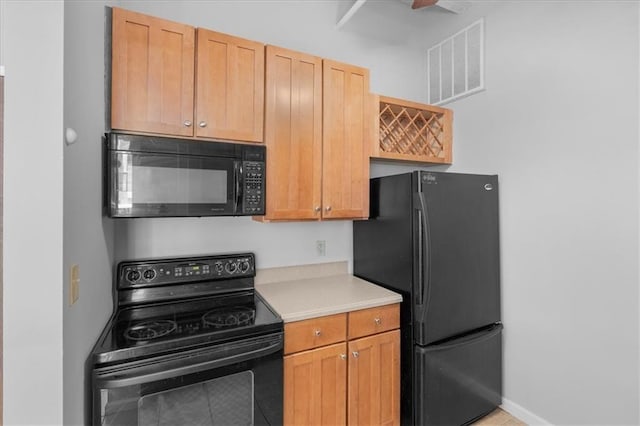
{"type": "Point", "coordinates": [412, 131]}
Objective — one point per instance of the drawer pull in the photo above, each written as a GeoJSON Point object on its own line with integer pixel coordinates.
{"type": "Point", "coordinates": [378, 321]}
{"type": "Point", "coordinates": [317, 333]}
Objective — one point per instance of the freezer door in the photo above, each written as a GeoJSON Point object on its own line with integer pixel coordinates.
{"type": "Point", "coordinates": [457, 233]}
{"type": "Point", "coordinates": [458, 381]}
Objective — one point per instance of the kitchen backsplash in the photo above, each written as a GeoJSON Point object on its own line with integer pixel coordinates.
{"type": "Point", "coordinates": [275, 244]}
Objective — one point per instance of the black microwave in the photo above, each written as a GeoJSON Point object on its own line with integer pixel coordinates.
{"type": "Point", "coordinates": [149, 176]}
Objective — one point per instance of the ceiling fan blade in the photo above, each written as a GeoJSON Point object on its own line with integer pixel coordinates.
{"type": "Point", "coordinates": [455, 6]}
{"type": "Point", "coordinates": [417, 4]}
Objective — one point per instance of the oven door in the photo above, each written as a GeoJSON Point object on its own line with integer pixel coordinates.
{"type": "Point", "coordinates": [237, 383]}
{"type": "Point", "coordinates": [144, 184]}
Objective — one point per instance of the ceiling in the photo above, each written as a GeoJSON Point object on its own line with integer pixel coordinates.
{"type": "Point", "coordinates": [394, 22]}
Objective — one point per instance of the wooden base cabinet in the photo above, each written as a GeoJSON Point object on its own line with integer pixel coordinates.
{"type": "Point", "coordinates": [315, 387]}
{"type": "Point", "coordinates": [374, 380]}
{"type": "Point", "coordinates": [352, 382]}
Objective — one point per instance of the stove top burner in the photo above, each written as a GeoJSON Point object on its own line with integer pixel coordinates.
{"type": "Point", "coordinates": [157, 324]}
{"type": "Point", "coordinates": [150, 330]}
{"type": "Point", "coordinates": [173, 304]}
{"type": "Point", "coordinates": [233, 317]}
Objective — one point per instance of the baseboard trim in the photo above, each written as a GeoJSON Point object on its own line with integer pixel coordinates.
{"type": "Point", "coordinates": [522, 413]}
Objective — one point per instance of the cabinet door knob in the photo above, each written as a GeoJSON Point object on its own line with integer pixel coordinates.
{"type": "Point", "coordinates": [355, 354]}
{"type": "Point", "coordinates": [187, 123]}
{"type": "Point", "coordinates": [317, 209]}
{"type": "Point", "coordinates": [202, 124]}
{"type": "Point", "coordinates": [317, 332]}
{"type": "Point", "coordinates": [328, 208]}
{"type": "Point", "coordinates": [378, 321]}
{"type": "Point", "coordinates": [343, 356]}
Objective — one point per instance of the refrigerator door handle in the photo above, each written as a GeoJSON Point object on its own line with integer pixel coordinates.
{"type": "Point", "coordinates": [477, 337]}
{"type": "Point", "coordinates": [424, 258]}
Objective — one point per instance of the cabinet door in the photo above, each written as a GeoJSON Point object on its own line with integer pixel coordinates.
{"type": "Point", "coordinates": [315, 387]}
{"type": "Point", "coordinates": [230, 87]}
{"type": "Point", "coordinates": [152, 68]}
{"type": "Point", "coordinates": [293, 134]}
{"type": "Point", "coordinates": [347, 131]}
{"type": "Point", "coordinates": [374, 380]}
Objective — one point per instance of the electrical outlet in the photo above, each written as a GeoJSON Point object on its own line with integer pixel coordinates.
{"type": "Point", "coordinates": [74, 284]}
{"type": "Point", "coordinates": [321, 247]}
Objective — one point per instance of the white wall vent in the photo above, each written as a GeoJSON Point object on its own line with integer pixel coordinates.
{"type": "Point", "coordinates": [455, 66]}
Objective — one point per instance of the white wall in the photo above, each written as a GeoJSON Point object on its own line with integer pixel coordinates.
{"type": "Point", "coordinates": [559, 124]}
{"type": "Point", "coordinates": [305, 26]}
{"type": "Point", "coordinates": [88, 238]}
{"type": "Point", "coordinates": [95, 244]}
{"type": "Point", "coordinates": [32, 321]}
{"type": "Point", "coordinates": [2, 26]}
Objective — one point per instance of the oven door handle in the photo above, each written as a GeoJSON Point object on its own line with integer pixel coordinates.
{"type": "Point", "coordinates": [187, 362]}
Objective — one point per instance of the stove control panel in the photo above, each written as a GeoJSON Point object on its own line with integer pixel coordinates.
{"type": "Point", "coordinates": [148, 273]}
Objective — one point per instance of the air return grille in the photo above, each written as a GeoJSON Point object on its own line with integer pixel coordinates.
{"type": "Point", "coordinates": [455, 66]}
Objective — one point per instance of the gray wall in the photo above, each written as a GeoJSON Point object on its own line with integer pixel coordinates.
{"type": "Point", "coordinates": [559, 124]}
{"type": "Point", "coordinates": [32, 223]}
{"type": "Point", "coordinates": [96, 244]}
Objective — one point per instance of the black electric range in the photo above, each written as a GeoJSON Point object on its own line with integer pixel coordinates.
{"type": "Point", "coordinates": [181, 325]}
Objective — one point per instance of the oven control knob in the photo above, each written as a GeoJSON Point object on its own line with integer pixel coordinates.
{"type": "Point", "coordinates": [244, 266]}
{"type": "Point", "coordinates": [231, 267]}
{"type": "Point", "coordinates": [133, 276]}
{"type": "Point", "coordinates": [218, 267]}
{"type": "Point", "coordinates": [149, 274]}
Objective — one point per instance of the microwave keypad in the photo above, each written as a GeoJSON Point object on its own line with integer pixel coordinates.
{"type": "Point", "coordinates": [253, 199]}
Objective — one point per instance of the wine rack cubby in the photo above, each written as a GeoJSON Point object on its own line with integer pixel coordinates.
{"type": "Point", "coordinates": [411, 131]}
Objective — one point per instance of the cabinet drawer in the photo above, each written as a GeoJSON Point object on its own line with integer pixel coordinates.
{"type": "Point", "coordinates": [373, 320]}
{"type": "Point", "coordinates": [315, 332]}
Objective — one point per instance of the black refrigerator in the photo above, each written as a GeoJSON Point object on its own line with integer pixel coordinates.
{"type": "Point", "coordinates": [433, 237]}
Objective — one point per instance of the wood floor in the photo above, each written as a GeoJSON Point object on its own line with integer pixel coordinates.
{"type": "Point", "coordinates": [499, 418]}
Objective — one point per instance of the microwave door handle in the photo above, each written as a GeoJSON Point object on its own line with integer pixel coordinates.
{"type": "Point", "coordinates": [237, 177]}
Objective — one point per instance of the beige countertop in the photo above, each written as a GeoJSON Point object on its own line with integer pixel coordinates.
{"type": "Point", "coordinates": [304, 292]}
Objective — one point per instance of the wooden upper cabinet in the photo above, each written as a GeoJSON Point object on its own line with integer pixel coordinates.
{"type": "Point", "coordinates": [318, 131]}
{"type": "Point", "coordinates": [152, 67]}
{"type": "Point", "coordinates": [293, 134]}
{"type": "Point", "coordinates": [410, 131]}
{"type": "Point", "coordinates": [230, 87]}
{"type": "Point", "coordinates": [315, 387]}
{"type": "Point", "coordinates": [347, 123]}
{"type": "Point", "coordinates": [374, 380]}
